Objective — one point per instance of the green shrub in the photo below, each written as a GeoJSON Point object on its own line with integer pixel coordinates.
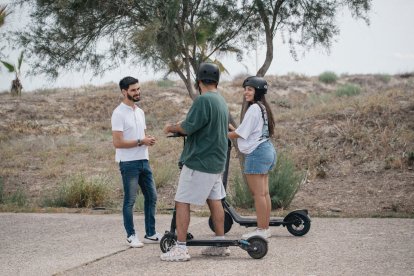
{"type": "Point", "coordinates": [79, 192]}
{"type": "Point", "coordinates": [139, 202]}
{"type": "Point", "coordinates": [348, 90]}
{"type": "Point", "coordinates": [18, 198]}
{"type": "Point", "coordinates": [328, 77]}
{"type": "Point", "coordinates": [162, 175]}
{"type": "Point", "coordinates": [410, 158]}
{"type": "Point", "coordinates": [165, 83]}
{"type": "Point", "coordinates": [1, 191]}
{"type": "Point", "coordinates": [241, 196]}
{"type": "Point", "coordinates": [284, 182]}
{"type": "Point", "coordinates": [385, 78]}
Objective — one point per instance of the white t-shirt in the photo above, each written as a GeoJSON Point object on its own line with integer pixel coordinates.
{"type": "Point", "coordinates": [251, 130]}
{"type": "Point", "coordinates": [132, 124]}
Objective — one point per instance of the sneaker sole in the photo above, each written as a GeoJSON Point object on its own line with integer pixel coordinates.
{"type": "Point", "coordinates": [148, 241]}
{"type": "Point", "coordinates": [136, 246]}
{"type": "Point", "coordinates": [217, 255]}
{"type": "Point", "coordinates": [176, 260]}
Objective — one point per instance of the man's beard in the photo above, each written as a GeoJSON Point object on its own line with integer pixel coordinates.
{"type": "Point", "coordinates": [132, 98]}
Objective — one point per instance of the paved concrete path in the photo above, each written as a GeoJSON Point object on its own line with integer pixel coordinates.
{"type": "Point", "coordinates": [80, 244]}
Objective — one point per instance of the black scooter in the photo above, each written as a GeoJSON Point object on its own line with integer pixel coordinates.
{"type": "Point", "coordinates": [255, 246]}
{"type": "Point", "coordinates": [297, 222]}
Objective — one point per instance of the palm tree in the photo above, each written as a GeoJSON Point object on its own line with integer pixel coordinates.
{"type": "Point", "coordinates": [16, 87]}
{"type": "Point", "coordinates": [3, 14]}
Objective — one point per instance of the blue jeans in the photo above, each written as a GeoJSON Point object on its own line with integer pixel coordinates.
{"type": "Point", "coordinates": [134, 173]}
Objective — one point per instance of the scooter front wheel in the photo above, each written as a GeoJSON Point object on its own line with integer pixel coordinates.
{"type": "Point", "coordinates": [228, 222]}
{"type": "Point", "coordinates": [167, 242]}
{"type": "Point", "coordinates": [257, 248]}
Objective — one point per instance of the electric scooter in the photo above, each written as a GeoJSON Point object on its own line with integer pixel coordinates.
{"type": "Point", "coordinates": [297, 222]}
{"type": "Point", "coordinates": [255, 246]}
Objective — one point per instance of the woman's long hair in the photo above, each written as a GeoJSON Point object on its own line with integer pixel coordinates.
{"type": "Point", "coordinates": [259, 96]}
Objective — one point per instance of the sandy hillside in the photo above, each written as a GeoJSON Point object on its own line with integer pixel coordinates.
{"type": "Point", "coordinates": [358, 150]}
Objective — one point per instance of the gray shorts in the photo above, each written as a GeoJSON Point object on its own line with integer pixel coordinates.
{"type": "Point", "coordinates": [195, 187]}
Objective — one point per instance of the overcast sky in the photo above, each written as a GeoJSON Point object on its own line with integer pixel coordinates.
{"type": "Point", "coordinates": [386, 46]}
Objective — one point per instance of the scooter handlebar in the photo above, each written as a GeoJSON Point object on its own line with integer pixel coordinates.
{"type": "Point", "coordinates": [176, 134]}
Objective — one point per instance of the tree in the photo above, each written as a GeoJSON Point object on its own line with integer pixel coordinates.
{"type": "Point", "coordinates": [171, 35]}
{"type": "Point", "coordinates": [308, 23]}
{"type": "Point", "coordinates": [16, 87]}
{"type": "Point", "coordinates": [3, 14]}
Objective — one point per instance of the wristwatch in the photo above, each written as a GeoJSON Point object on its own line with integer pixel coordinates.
{"type": "Point", "coordinates": [139, 142]}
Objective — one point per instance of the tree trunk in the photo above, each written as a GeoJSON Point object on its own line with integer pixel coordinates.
{"type": "Point", "coordinates": [16, 88]}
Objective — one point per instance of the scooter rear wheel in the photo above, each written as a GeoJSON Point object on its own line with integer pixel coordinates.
{"type": "Point", "coordinates": [167, 242]}
{"type": "Point", "coordinates": [258, 247]}
{"type": "Point", "coordinates": [300, 226]}
{"type": "Point", "coordinates": [228, 222]}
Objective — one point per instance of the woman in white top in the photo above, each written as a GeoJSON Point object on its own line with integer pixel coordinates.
{"type": "Point", "coordinates": [260, 155]}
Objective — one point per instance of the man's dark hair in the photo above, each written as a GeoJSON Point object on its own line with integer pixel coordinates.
{"type": "Point", "coordinates": [126, 82]}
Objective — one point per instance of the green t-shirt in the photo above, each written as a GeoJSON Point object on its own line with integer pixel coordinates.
{"type": "Point", "coordinates": [206, 126]}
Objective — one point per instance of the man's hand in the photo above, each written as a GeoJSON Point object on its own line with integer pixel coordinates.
{"type": "Point", "coordinates": [148, 140]}
{"type": "Point", "coordinates": [167, 128]}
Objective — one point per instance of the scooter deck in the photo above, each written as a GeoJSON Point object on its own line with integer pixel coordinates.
{"type": "Point", "coordinates": [218, 243]}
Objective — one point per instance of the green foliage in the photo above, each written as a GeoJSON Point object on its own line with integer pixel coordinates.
{"type": "Point", "coordinates": [385, 78]}
{"type": "Point", "coordinates": [12, 68]}
{"type": "Point", "coordinates": [1, 190]}
{"type": "Point", "coordinates": [328, 77]}
{"type": "Point", "coordinates": [139, 202]}
{"type": "Point", "coordinates": [348, 90]}
{"type": "Point", "coordinates": [284, 182]}
{"type": "Point", "coordinates": [9, 66]}
{"type": "Point", "coordinates": [3, 14]}
{"type": "Point", "coordinates": [162, 175]}
{"type": "Point", "coordinates": [165, 83]}
{"type": "Point", "coordinates": [17, 198]}
{"type": "Point", "coordinates": [79, 192]}
{"type": "Point", "coordinates": [410, 158]}
{"type": "Point", "coordinates": [170, 35]}
{"type": "Point", "coordinates": [241, 196]}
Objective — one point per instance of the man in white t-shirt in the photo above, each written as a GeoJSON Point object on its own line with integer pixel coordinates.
{"type": "Point", "coordinates": [131, 143]}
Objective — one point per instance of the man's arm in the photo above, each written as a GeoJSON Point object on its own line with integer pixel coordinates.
{"type": "Point", "coordinates": [120, 143]}
{"type": "Point", "coordinates": [174, 128]}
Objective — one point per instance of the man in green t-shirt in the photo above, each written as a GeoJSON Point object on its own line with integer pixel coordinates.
{"type": "Point", "coordinates": [203, 158]}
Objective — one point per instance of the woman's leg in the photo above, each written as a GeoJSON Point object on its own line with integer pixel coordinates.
{"type": "Point", "coordinates": [260, 193]}
{"type": "Point", "coordinates": [268, 201]}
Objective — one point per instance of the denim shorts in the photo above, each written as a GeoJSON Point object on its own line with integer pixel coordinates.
{"type": "Point", "coordinates": [261, 160]}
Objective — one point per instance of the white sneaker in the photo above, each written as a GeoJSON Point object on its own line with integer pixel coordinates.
{"type": "Point", "coordinates": [258, 232]}
{"type": "Point", "coordinates": [215, 251]}
{"type": "Point", "coordinates": [176, 254]}
{"type": "Point", "coordinates": [133, 241]}
{"type": "Point", "coordinates": [153, 239]}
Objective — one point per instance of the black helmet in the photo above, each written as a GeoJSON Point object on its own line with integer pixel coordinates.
{"type": "Point", "coordinates": [257, 82]}
{"type": "Point", "coordinates": [208, 72]}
